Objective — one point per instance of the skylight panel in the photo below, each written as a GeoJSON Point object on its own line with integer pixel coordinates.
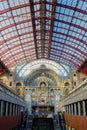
{"type": "Point", "coordinates": [11, 34]}
{"type": "Point", "coordinates": [81, 48]}
{"type": "Point", "coordinates": [7, 22]}
{"type": "Point", "coordinates": [56, 16]}
{"type": "Point", "coordinates": [62, 10]}
{"type": "Point", "coordinates": [36, 0]}
{"type": "Point", "coordinates": [82, 23]}
{"type": "Point", "coordinates": [64, 1]}
{"type": "Point", "coordinates": [76, 14]}
{"type": "Point", "coordinates": [85, 26]}
{"type": "Point", "coordinates": [21, 2]}
{"type": "Point", "coordinates": [1, 38]}
{"type": "Point", "coordinates": [24, 10]}
{"type": "Point", "coordinates": [47, 6]}
{"type": "Point", "coordinates": [59, 1]}
{"type": "Point", "coordinates": [2, 24]}
{"type": "Point", "coordinates": [74, 2]}
{"type": "Point", "coordinates": [76, 21]}
{"type": "Point", "coordinates": [70, 33]}
{"type": "Point", "coordinates": [80, 31]}
{"type": "Point", "coordinates": [63, 31]}
{"type": "Point", "coordinates": [11, 21]}
{"type": "Point", "coordinates": [61, 16]}
{"type": "Point", "coordinates": [48, 14]}
{"type": "Point", "coordinates": [67, 2]}
{"type": "Point", "coordinates": [80, 4]}
{"type": "Point", "coordinates": [1, 6]}
{"type": "Point", "coordinates": [66, 25]}
{"type": "Point", "coordinates": [49, 0]}
{"type": "Point", "coordinates": [73, 33]}
{"type": "Point", "coordinates": [4, 4]}
{"type": "Point", "coordinates": [65, 18]}
{"type": "Point", "coordinates": [84, 17]}
{"type": "Point", "coordinates": [12, 3]}
{"type": "Point", "coordinates": [69, 19]}
{"type": "Point", "coordinates": [67, 11]}
{"type": "Point", "coordinates": [85, 39]}
{"type": "Point", "coordinates": [17, 49]}
{"type": "Point", "coordinates": [35, 7]}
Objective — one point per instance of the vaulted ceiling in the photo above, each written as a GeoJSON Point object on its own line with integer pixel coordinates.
{"type": "Point", "coordinates": [49, 29]}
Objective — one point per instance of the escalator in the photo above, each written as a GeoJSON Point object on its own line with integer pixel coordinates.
{"type": "Point", "coordinates": [42, 124]}
{"type": "Point", "coordinates": [61, 121]}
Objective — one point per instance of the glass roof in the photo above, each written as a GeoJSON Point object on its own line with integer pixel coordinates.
{"type": "Point", "coordinates": [35, 29]}
{"type": "Point", "coordinates": [24, 70]}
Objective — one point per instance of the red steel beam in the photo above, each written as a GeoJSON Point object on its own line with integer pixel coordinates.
{"type": "Point", "coordinates": [16, 36]}
{"type": "Point", "coordinates": [16, 23]}
{"type": "Point", "coordinates": [20, 60]}
{"type": "Point", "coordinates": [15, 46]}
{"type": "Point", "coordinates": [77, 39]}
{"type": "Point", "coordinates": [16, 59]}
{"type": "Point", "coordinates": [67, 60]}
{"type": "Point", "coordinates": [69, 55]}
{"type": "Point", "coordinates": [77, 49]}
{"type": "Point", "coordinates": [69, 7]}
{"type": "Point", "coordinates": [14, 8]}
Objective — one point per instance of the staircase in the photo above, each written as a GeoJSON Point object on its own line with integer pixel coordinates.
{"type": "Point", "coordinates": [42, 124]}
{"type": "Point", "coordinates": [29, 122]}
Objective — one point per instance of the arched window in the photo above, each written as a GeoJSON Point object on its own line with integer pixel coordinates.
{"type": "Point", "coordinates": [66, 91]}
{"type": "Point", "coordinates": [67, 84]}
{"type": "Point", "coordinates": [18, 84]}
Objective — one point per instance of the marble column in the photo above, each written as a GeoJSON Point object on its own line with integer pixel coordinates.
{"type": "Point", "coordinates": [2, 104]}
{"type": "Point", "coordinates": [84, 111]}
{"type": "Point", "coordinates": [79, 109]}
{"type": "Point", "coordinates": [6, 108]}
{"type": "Point", "coordinates": [10, 110]}
{"type": "Point", "coordinates": [75, 108]}
{"type": "Point", "coordinates": [72, 108]}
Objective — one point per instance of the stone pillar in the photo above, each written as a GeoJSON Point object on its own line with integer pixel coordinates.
{"type": "Point", "coordinates": [13, 109]}
{"type": "Point", "coordinates": [10, 109]}
{"type": "Point", "coordinates": [2, 103]}
{"type": "Point", "coordinates": [84, 111]}
{"type": "Point", "coordinates": [6, 108]}
{"type": "Point", "coordinates": [75, 108]}
{"type": "Point", "coordinates": [28, 100]}
{"type": "Point", "coordinates": [66, 110]}
{"type": "Point", "coordinates": [18, 109]}
{"type": "Point", "coordinates": [79, 110]}
{"type": "Point", "coordinates": [72, 108]}
{"type": "Point", "coordinates": [69, 109]}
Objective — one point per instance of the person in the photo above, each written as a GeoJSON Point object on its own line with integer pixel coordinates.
{"type": "Point", "coordinates": [36, 112]}
{"type": "Point", "coordinates": [24, 120]}
{"type": "Point", "coordinates": [61, 121]}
